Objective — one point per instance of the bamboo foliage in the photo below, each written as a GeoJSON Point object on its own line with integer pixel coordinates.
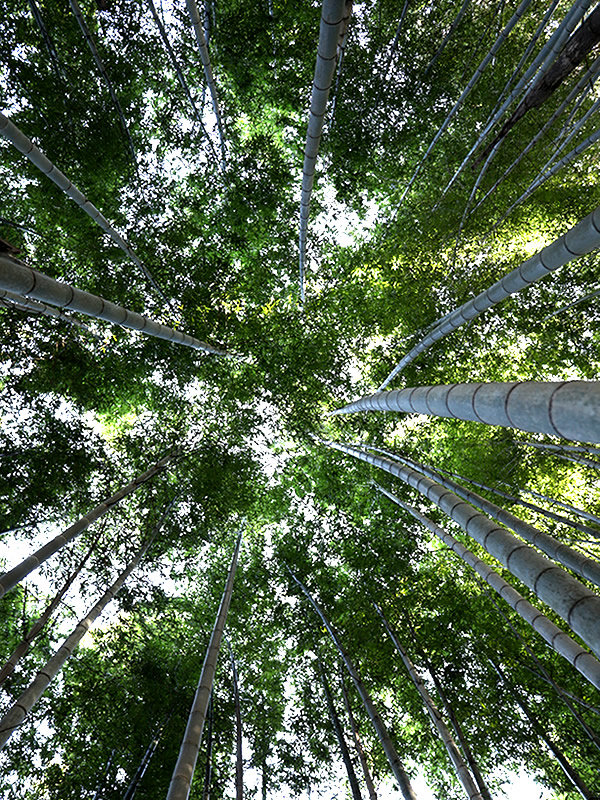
{"type": "Point", "coordinates": [17, 713]}
{"type": "Point", "coordinates": [558, 640]}
{"type": "Point", "coordinates": [183, 773]}
{"type": "Point", "coordinates": [239, 763]}
{"type": "Point", "coordinates": [25, 146]}
{"type": "Point", "coordinates": [17, 278]}
{"type": "Point", "coordinates": [332, 17]}
{"type": "Point", "coordinates": [10, 579]}
{"type": "Point", "coordinates": [567, 409]}
{"type": "Point", "coordinates": [392, 756]}
{"type": "Point", "coordinates": [208, 73]}
{"type": "Point", "coordinates": [458, 762]}
{"type": "Point", "coordinates": [579, 240]}
{"type": "Point", "coordinates": [564, 594]}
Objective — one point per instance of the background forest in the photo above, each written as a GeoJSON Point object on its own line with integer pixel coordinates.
{"type": "Point", "coordinates": [396, 240]}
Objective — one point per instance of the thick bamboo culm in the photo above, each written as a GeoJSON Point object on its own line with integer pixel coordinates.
{"type": "Point", "coordinates": [558, 640]}
{"type": "Point", "coordinates": [581, 239]}
{"type": "Point", "coordinates": [25, 146]}
{"type": "Point", "coordinates": [564, 594]}
{"type": "Point", "coordinates": [20, 279]}
{"type": "Point", "coordinates": [567, 409]}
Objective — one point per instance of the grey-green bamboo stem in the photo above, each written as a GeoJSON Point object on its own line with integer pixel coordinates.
{"type": "Point", "coordinates": [392, 756]}
{"type": "Point", "coordinates": [577, 151]}
{"type": "Point", "coordinates": [581, 512]}
{"type": "Point", "coordinates": [579, 240]}
{"type": "Point", "coordinates": [17, 713]}
{"type": "Point", "coordinates": [183, 773]}
{"type": "Point", "coordinates": [558, 640]}
{"type": "Point", "coordinates": [20, 279]}
{"type": "Point", "coordinates": [564, 594]}
{"type": "Point", "coordinates": [332, 16]}
{"type": "Point", "coordinates": [590, 75]}
{"type": "Point", "coordinates": [592, 736]}
{"type": "Point", "coordinates": [27, 305]}
{"type": "Point", "coordinates": [531, 506]}
{"type": "Point", "coordinates": [522, 8]}
{"type": "Point", "coordinates": [458, 762]}
{"type": "Point", "coordinates": [357, 742]}
{"type": "Point", "coordinates": [447, 37]}
{"type": "Point", "coordinates": [460, 735]}
{"type": "Point", "coordinates": [25, 146]}
{"type": "Point", "coordinates": [567, 409]}
{"type": "Point", "coordinates": [10, 579]}
{"type": "Point", "coordinates": [208, 73]}
{"type": "Point", "coordinates": [178, 71]}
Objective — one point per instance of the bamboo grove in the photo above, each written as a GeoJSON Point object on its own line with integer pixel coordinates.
{"type": "Point", "coordinates": [299, 433]}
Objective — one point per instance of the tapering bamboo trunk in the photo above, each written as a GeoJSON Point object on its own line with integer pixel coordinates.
{"type": "Point", "coordinates": [27, 305]}
{"type": "Point", "coordinates": [579, 511]}
{"type": "Point", "coordinates": [208, 73]}
{"type": "Point", "coordinates": [10, 579]}
{"type": "Point", "coordinates": [531, 506]}
{"type": "Point", "coordinates": [562, 759]}
{"type": "Point", "coordinates": [357, 742]}
{"type": "Point", "coordinates": [592, 736]}
{"type": "Point", "coordinates": [18, 278]}
{"type": "Point", "coordinates": [25, 146]}
{"type": "Point", "coordinates": [38, 626]}
{"type": "Point", "coordinates": [332, 17]}
{"type": "Point", "coordinates": [458, 762]}
{"type": "Point", "coordinates": [551, 633]}
{"type": "Point", "coordinates": [588, 568]}
{"type": "Point", "coordinates": [526, 53]}
{"type": "Point", "coordinates": [209, 747]}
{"type": "Point", "coordinates": [571, 448]}
{"type": "Point", "coordinates": [104, 780]}
{"type": "Point", "coordinates": [392, 756]}
{"type": "Point", "coordinates": [568, 409]}
{"type": "Point", "coordinates": [521, 9]}
{"type": "Point", "coordinates": [183, 773]}
{"type": "Point", "coordinates": [583, 238]}
{"type": "Point", "coordinates": [548, 52]}
{"type": "Point", "coordinates": [569, 598]}
{"type": "Point", "coordinates": [102, 69]}
{"type": "Point", "coordinates": [239, 763]}
{"type": "Point", "coordinates": [549, 169]}
{"type": "Point", "coordinates": [17, 713]}
{"type": "Point", "coordinates": [35, 11]}
{"type": "Point", "coordinates": [339, 733]}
